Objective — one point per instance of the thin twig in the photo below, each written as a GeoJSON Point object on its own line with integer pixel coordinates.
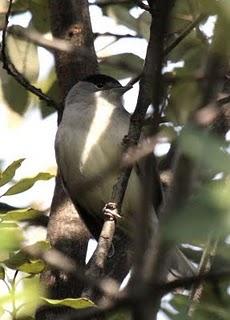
{"type": "Point", "coordinates": [11, 69]}
{"type": "Point", "coordinates": [183, 34]}
{"type": "Point", "coordinates": [223, 101]}
{"type": "Point", "coordinates": [38, 39]}
{"type": "Point", "coordinates": [116, 35]}
{"type": "Point", "coordinates": [204, 267]}
{"type": "Point", "coordinates": [105, 3]}
{"type": "Point", "coordinates": [175, 43]}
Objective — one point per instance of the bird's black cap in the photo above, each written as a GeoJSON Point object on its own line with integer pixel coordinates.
{"type": "Point", "coordinates": [102, 80]}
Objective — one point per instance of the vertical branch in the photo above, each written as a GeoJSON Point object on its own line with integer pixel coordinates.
{"type": "Point", "coordinates": [185, 171]}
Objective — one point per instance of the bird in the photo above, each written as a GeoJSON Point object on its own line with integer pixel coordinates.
{"type": "Point", "coordinates": [89, 141]}
{"type": "Point", "coordinates": [88, 145]}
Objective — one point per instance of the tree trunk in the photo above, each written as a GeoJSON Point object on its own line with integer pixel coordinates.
{"type": "Point", "coordinates": [70, 20]}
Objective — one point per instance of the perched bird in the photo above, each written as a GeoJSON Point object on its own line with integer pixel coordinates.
{"type": "Point", "coordinates": [88, 145]}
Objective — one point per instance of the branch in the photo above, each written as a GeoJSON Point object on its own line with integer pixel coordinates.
{"type": "Point", "coordinates": [38, 39]}
{"type": "Point", "coordinates": [11, 69]}
{"type": "Point", "coordinates": [117, 36]}
{"type": "Point", "coordinates": [223, 101]}
{"type": "Point", "coordinates": [56, 260]}
{"type": "Point", "coordinates": [124, 301]}
{"type": "Point", "coordinates": [176, 42]}
{"type": "Point", "coordinates": [185, 170]}
{"type": "Point", "coordinates": [184, 34]}
{"type": "Point", "coordinates": [105, 3]}
{"type": "Point", "coordinates": [204, 267]}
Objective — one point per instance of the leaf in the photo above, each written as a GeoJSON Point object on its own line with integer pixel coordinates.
{"type": "Point", "coordinates": [39, 245]}
{"type": "Point", "coordinates": [180, 304]}
{"type": "Point", "coordinates": [23, 54]}
{"type": "Point", "coordinates": [32, 267]}
{"type": "Point", "coordinates": [28, 298]}
{"type": "Point", "coordinates": [7, 175]}
{"type": "Point", "coordinates": [143, 25]}
{"type": "Point", "coordinates": [16, 260]}
{"type": "Point", "coordinates": [206, 150]}
{"type": "Point", "coordinates": [20, 5]}
{"type": "Point", "coordinates": [78, 303]}
{"type": "Point", "coordinates": [122, 65]}
{"type": "Point", "coordinates": [10, 236]}
{"type": "Point", "coordinates": [120, 315]}
{"type": "Point", "coordinates": [192, 50]}
{"type": "Point", "coordinates": [40, 15]}
{"type": "Point", "coordinates": [2, 273]}
{"type": "Point", "coordinates": [3, 9]}
{"type": "Point", "coordinates": [205, 212]}
{"type": "Point", "coordinates": [9, 85]}
{"type": "Point", "coordinates": [23, 262]}
{"type": "Point", "coordinates": [122, 16]}
{"type": "Point", "coordinates": [18, 215]}
{"type": "Point", "coordinates": [184, 99]}
{"type": "Point", "coordinates": [181, 15]}
{"type": "Point", "coordinates": [27, 183]}
{"type": "Point", "coordinates": [50, 87]}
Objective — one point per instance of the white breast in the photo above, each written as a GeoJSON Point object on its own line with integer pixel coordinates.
{"type": "Point", "coordinates": [98, 126]}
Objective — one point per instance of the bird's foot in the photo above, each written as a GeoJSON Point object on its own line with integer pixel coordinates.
{"type": "Point", "coordinates": [111, 212]}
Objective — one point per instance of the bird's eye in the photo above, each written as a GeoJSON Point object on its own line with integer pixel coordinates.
{"type": "Point", "coordinates": [100, 85]}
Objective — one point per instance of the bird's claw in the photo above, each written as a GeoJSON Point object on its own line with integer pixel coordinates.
{"type": "Point", "coordinates": [111, 212]}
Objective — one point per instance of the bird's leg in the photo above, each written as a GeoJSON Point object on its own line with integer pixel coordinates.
{"type": "Point", "coordinates": [110, 211]}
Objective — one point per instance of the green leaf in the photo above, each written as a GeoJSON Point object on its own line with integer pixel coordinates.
{"type": "Point", "coordinates": [40, 15]}
{"type": "Point", "coordinates": [2, 273]}
{"type": "Point", "coordinates": [191, 50]}
{"type": "Point", "coordinates": [50, 87]}
{"type": "Point", "coordinates": [23, 262]}
{"type": "Point", "coordinates": [205, 212]}
{"type": "Point", "coordinates": [10, 236]}
{"type": "Point", "coordinates": [78, 303]}
{"type": "Point", "coordinates": [122, 65]}
{"type": "Point", "coordinates": [27, 183]}
{"type": "Point", "coordinates": [16, 260]}
{"type": "Point", "coordinates": [9, 85]}
{"type": "Point", "coordinates": [120, 315]}
{"type": "Point", "coordinates": [7, 175]}
{"type": "Point", "coordinates": [143, 25]}
{"type": "Point", "coordinates": [39, 245]}
{"type": "Point", "coordinates": [28, 298]}
{"type": "Point", "coordinates": [181, 15]}
{"type": "Point", "coordinates": [18, 215]}
{"type": "Point", "coordinates": [20, 5]}
{"type": "Point", "coordinates": [180, 304]}
{"type": "Point", "coordinates": [184, 99]}
{"type": "Point", "coordinates": [206, 150]}
{"type": "Point", "coordinates": [32, 267]}
{"type": "Point", "coordinates": [23, 54]}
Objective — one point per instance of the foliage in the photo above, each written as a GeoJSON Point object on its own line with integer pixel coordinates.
{"type": "Point", "coordinates": [205, 212]}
